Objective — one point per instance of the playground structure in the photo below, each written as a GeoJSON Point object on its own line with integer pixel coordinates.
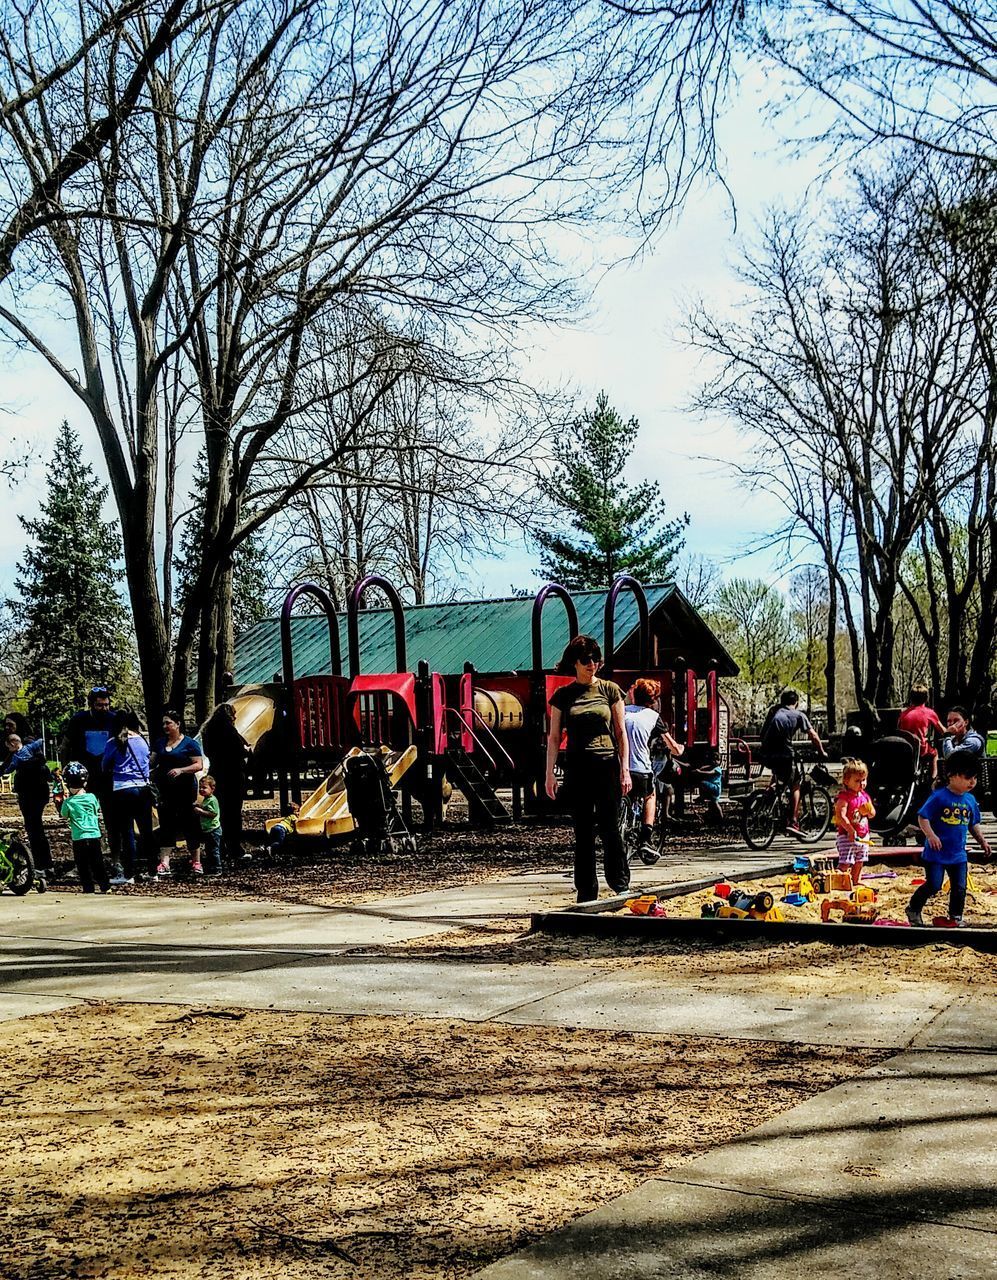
{"type": "Point", "coordinates": [477, 732]}
{"type": "Point", "coordinates": [516, 706]}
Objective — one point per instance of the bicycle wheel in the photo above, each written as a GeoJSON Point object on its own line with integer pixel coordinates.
{"type": "Point", "coordinates": [630, 814]}
{"type": "Point", "coordinates": [815, 813]}
{"type": "Point", "coordinates": [23, 874]}
{"type": "Point", "coordinates": [758, 818]}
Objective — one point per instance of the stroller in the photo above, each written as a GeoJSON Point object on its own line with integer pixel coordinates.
{"type": "Point", "coordinates": [377, 822]}
{"type": "Point", "coordinates": [897, 784]}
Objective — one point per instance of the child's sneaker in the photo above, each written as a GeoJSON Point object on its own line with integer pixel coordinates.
{"type": "Point", "coordinates": [163, 869]}
{"type": "Point", "coordinates": [914, 918]}
{"type": "Point", "coordinates": [197, 869]}
{"type": "Point", "coordinates": [949, 922]}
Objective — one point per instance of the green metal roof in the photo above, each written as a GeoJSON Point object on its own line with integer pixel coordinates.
{"type": "Point", "coordinates": [493, 634]}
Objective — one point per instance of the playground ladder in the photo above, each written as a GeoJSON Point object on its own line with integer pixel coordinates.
{"type": "Point", "coordinates": [484, 804]}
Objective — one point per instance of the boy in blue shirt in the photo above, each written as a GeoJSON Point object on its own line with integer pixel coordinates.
{"type": "Point", "coordinates": [945, 817]}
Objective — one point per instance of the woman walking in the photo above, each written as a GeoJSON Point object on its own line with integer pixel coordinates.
{"type": "Point", "coordinates": [597, 765]}
{"type": "Point", "coordinates": [176, 762]}
{"type": "Point", "coordinates": [126, 765]}
{"type": "Point", "coordinates": [226, 750]}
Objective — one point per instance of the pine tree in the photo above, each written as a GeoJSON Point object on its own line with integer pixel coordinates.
{"type": "Point", "coordinates": [623, 528]}
{"type": "Point", "coordinates": [75, 631]}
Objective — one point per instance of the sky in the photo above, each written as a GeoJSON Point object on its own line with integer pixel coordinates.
{"type": "Point", "coordinates": [628, 344]}
{"type": "Point", "coordinates": [631, 346]}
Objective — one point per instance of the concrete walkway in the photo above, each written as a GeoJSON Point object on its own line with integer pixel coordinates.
{"type": "Point", "coordinates": [891, 1174]}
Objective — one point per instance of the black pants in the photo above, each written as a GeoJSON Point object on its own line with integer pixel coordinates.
{"type": "Point", "coordinates": [177, 819]}
{"type": "Point", "coordinates": [89, 859]}
{"type": "Point", "coordinates": [230, 791]}
{"type": "Point", "coordinates": [32, 808]}
{"type": "Point", "coordinates": [593, 784]}
{"type": "Point", "coordinates": [131, 809]}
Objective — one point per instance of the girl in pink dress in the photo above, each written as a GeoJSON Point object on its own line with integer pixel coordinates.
{"type": "Point", "coordinates": [852, 811]}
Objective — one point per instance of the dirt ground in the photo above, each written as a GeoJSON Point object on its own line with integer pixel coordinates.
{"type": "Point", "coordinates": [155, 1141]}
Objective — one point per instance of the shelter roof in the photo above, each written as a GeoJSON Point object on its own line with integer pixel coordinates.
{"type": "Point", "coordinates": [493, 634]}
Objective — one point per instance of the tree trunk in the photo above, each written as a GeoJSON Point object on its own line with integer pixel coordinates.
{"type": "Point", "coordinates": [831, 655]}
{"type": "Point", "coordinates": [226, 630]}
{"type": "Point", "coordinates": [151, 639]}
{"type": "Point", "coordinates": [208, 670]}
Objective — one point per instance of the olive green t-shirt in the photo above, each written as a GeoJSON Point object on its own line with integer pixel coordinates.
{"type": "Point", "coordinates": [587, 715]}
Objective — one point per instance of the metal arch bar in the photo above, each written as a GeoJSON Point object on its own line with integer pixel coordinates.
{"type": "Point", "coordinates": [286, 644]}
{"type": "Point", "coordinates": [353, 621]}
{"type": "Point", "coordinates": [625, 583]}
{"type": "Point", "coordinates": [536, 623]}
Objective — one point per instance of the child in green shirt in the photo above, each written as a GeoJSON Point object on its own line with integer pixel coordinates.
{"type": "Point", "coordinates": [82, 810]}
{"type": "Point", "coordinates": [211, 830]}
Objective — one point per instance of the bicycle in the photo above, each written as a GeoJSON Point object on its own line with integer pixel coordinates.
{"type": "Point", "coordinates": [631, 825]}
{"type": "Point", "coordinates": [17, 867]}
{"type": "Point", "coordinates": [770, 808]}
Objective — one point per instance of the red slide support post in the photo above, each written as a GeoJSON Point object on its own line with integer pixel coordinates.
{"type": "Point", "coordinates": [536, 797]}
{"type": "Point", "coordinates": [622, 583]}
{"type": "Point", "coordinates": [353, 621]}
{"type": "Point", "coordinates": [311, 714]}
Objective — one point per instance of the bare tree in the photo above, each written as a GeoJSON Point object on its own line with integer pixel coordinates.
{"type": "Point", "coordinates": [284, 158]}
{"type": "Point", "coordinates": [755, 624]}
{"type": "Point", "coordinates": [858, 376]}
{"type": "Point", "coordinates": [418, 486]}
{"type": "Point", "coordinates": [921, 73]}
{"type": "Point", "coordinates": [699, 580]}
{"type": "Point", "coordinates": [808, 596]}
{"type": "Point", "coordinates": [42, 50]}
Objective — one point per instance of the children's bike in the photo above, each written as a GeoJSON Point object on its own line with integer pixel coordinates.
{"type": "Point", "coordinates": [17, 867]}
{"type": "Point", "coordinates": [631, 826]}
{"type": "Point", "coordinates": [770, 808]}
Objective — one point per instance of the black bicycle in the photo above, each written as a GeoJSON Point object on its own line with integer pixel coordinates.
{"type": "Point", "coordinates": [770, 809]}
{"type": "Point", "coordinates": [631, 825]}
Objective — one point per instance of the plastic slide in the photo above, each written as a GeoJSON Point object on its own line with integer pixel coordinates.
{"type": "Point", "coordinates": [325, 811]}
{"type": "Point", "coordinates": [255, 705]}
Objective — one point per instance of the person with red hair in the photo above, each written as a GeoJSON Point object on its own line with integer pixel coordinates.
{"type": "Point", "coordinates": [645, 728]}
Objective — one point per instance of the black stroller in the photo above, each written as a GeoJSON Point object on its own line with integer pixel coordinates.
{"type": "Point", "coordinates": [378, 824]}
{"type": "Point", "coordinates": [897, 786]}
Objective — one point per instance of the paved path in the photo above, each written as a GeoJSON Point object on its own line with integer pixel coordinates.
{"type": "Point", "coordinates": [889, 1175]}
{"type": "Point", "coordinates": [893, 1174]}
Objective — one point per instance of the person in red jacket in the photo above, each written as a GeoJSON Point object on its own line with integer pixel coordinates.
{"type": "Point", "coordinates": [917, 718]}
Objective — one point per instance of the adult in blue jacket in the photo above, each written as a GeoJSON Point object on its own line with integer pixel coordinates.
{"type": "Point", "coordinates": [32, 787]}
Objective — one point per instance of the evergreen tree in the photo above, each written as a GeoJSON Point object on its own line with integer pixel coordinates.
{"type": "Point", "coordinates": [75, 631]}
{"type": "Point", "coordinates": [623, 528]}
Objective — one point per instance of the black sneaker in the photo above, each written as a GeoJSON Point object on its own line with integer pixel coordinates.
{"type": "Point", "coordinates": [648, 855]}
{"type": "Point", "coordinates": [914, 918]}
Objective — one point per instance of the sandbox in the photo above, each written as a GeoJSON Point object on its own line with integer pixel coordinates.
{"type": "Point", "coordinates": [891, 874]}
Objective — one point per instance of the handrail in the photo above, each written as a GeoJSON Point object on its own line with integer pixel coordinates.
{"type": "Point", "coordinates": [624, 582]}
{"type": "Point", "coordinates": [465, 727]}
{"type": "Point", "coordinates": [286, 643]}
{"type": "Point", "coordinates": [491, 733]}
{"type": "Point", "coordinates": [536, 622]}
{"type": "Point", "coordinates": [353, 621]}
